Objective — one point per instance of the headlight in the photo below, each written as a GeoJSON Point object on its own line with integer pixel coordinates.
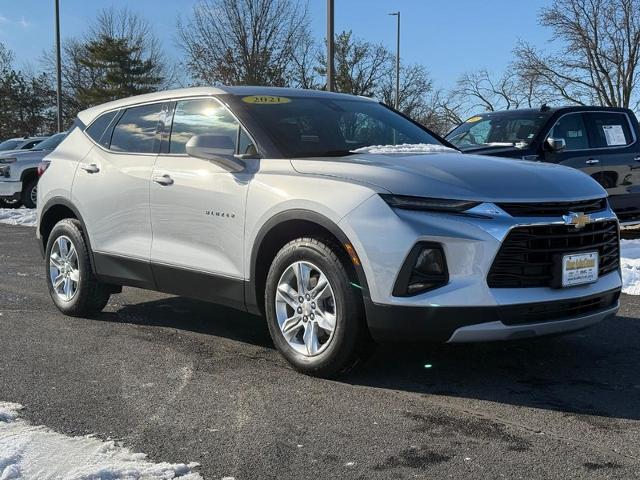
{"type": "Point", "coordinates": [428, 204]}
{"type": "Point", "coordinates": [7, 160]}
{"type": "Point", "coordinates": [424, 269]}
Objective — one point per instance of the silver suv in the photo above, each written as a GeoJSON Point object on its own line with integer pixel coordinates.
{"type": "Point", "coordinates": [338, 219]}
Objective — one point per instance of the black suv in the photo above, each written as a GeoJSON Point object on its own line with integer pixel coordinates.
{"type": "Point", "coordinates": [600, 141]}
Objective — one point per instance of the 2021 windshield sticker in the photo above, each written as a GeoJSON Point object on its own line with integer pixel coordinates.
{"type": "Point", "coordinates": [265, 100]}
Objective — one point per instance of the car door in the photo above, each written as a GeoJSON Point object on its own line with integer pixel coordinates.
{"type": "Point", "coordinates": [198, 207]}
{"type": "Point", "coordinates": [111, 188]}
{"type": "Point", "coordinates": [572, 128]}
{"type": "Point", "coordinates": [614, 145]}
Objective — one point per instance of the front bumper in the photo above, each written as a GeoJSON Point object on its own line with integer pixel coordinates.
{"type": "Point", "coordinates": [10, 188]}
{"type": "Point", "coordinates": [483, 324]}
{"type": "Point", "coordinates": [466, 308]}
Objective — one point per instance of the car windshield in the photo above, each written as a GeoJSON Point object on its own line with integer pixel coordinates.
{"type": "Point", "coordinates": [52, 142]}
{"type": "Point", "coordinates": [325, 127]}
{"type": "Point", "coordinates": [498, 129]}
{"type": "Point", "coordinates": [9, 145]}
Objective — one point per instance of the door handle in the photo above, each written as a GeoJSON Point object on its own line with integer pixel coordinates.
{"type": "Point", "coordinates": [163, 180]}
{"type": "Point", "coordinates": [592, 161]}
{"type": "Point", "coordinates": [637, 159]}
{"type": "Point", "coordinates": [90, 167]}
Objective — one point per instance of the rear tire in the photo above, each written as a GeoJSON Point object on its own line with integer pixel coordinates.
{"type": "Point", "coordinates": [321, 331]}
{"type": "Point", "coordinates": [29, 193]}
{"type": "Point", "coordinates": [73, 287]}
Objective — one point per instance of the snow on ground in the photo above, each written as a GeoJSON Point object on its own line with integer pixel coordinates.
{"type": "Point", "coordinates": [406, 148]}
{"type": "Point", "coordinates": [630, 263]}
{"type": "Point", "coordinates": [36, 452]}
{"type": "Point", "coordinates": [18, 216]}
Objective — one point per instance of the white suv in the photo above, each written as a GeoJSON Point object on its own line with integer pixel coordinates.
{"type": "Point", "coordinates": [336, 217]}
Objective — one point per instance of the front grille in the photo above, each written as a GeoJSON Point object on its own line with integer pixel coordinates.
{"type": "Point", "coordinates": [628, 214]}
{"type": "Point", "coordinates": [558, 310]}
{"type": "Point", "coordinates": [526, 258]}
{"type": "Point", "coordinates": [553, 209]}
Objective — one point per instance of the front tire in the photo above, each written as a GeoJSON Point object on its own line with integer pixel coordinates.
{"type": "Point", "coordinates": [73, 287]}
{"type": "Point", "coordinates": [315, 315]}
{"type": "Point", "coordinates": [10, 203]}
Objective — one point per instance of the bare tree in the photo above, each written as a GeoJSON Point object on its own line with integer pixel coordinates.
{"type": "Point", "coordinates": [599, 54]}
{"type": "Point", "coordinates": [361, 67]}
{"type": "Point", "coordinates": [305, 70]}
{"type": "Point", "coordinates": [80, 76]}
{"type": "Point", "coordinates": [445, 112]}
{"type": "Point", "coordinates": [242, 42]}
{"type": "Point", "coordinates": [415, 86]}
{"type": "Point", "coordinates": [480, 91]}
{"type": "Point", "coordinates": [6, 58]}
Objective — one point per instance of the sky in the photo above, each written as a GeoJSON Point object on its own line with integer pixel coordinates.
{"type": "Point", "coordinates": [449, 37]}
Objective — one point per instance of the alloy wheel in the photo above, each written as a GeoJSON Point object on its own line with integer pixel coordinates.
{"type": "Point", "coordinates": [306, 308]}
{"type": "Point", "coordinates": [63, 268]}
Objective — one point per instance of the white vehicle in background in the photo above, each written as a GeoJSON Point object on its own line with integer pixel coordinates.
{"type": "Point", "coordinates": [19, 172]}
{"type": "Point", "coordinates": [20, 143]}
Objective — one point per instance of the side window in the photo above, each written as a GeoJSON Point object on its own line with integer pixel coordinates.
{"type": "Point", "coordinates": [97, 128]}
{"type": "Point", "coordinates": [573, 130]}
{"type": "Point", "coordinates": [136, 130]}
{"type": "Point", "coordinates": [202, 117]}
{"type": "Point", "coordinates": [609, 129]}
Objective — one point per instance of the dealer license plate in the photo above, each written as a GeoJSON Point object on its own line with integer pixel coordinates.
{"type": "Point", "coordinates": [579, 268]}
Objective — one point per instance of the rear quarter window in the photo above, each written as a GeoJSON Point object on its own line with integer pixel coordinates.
{"type": "Point", "coordinates": [98, 128]}
{"type": "Point", "coordinates": [609, 129]}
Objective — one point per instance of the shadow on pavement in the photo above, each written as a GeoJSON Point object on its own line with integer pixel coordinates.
{"type": "Point", "coordinates": [592, 372]}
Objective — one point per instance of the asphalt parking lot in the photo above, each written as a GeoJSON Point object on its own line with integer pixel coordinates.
{"type": "Point", "coordinates": [186, 381]}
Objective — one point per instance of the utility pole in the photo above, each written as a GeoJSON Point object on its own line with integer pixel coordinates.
{"type": "Point", "coordinates": [397, 14]}
{"type": "Point", "coordinates": [330, 46]}
{"type": "Point", "coordinates": [58, 67]}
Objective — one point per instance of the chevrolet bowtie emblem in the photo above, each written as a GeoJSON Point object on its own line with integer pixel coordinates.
{"type": "Point", "coordinates": [578, 220]}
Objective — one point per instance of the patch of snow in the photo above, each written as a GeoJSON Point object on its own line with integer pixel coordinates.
{"type": "Point", "coordinates": [406, 148]}
{"type": "Point", "coordinates": [630, 265]}
{"type": "Point", "coordinates": [29, 452]}
{"type": "Point", "coordinates": [18, 216]}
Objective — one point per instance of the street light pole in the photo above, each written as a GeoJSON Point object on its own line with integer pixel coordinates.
{"type": "Point", "coordinates": [397, 14]}
{"type": "Point", "coordinates": [58, 67]}
{"type": "Point", "coordinates": [330, 46]}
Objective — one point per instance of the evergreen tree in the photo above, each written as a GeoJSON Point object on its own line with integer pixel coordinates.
{"type": "Point", "coordinates": [122, 70]}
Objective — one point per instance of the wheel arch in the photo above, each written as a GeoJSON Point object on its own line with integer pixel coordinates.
{"type": "Point", "coordinates": [28, 174]}
{"type": "Point", "coordinates": [54, 210]}
{"type": "Point", "coordinates": [277, 232]}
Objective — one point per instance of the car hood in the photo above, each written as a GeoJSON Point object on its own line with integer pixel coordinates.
{"type": "Point", "coordinates": [11, 153]}
{"type": "Point", "coordinates": [25, 155]}
{"type": "Point", "coordinates": [458, 176]}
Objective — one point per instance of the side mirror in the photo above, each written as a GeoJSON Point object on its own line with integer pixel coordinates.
{"type": "Point", "coordinates": [218, 149]}
{"type": "Point", "coordinates": [556, 144]}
